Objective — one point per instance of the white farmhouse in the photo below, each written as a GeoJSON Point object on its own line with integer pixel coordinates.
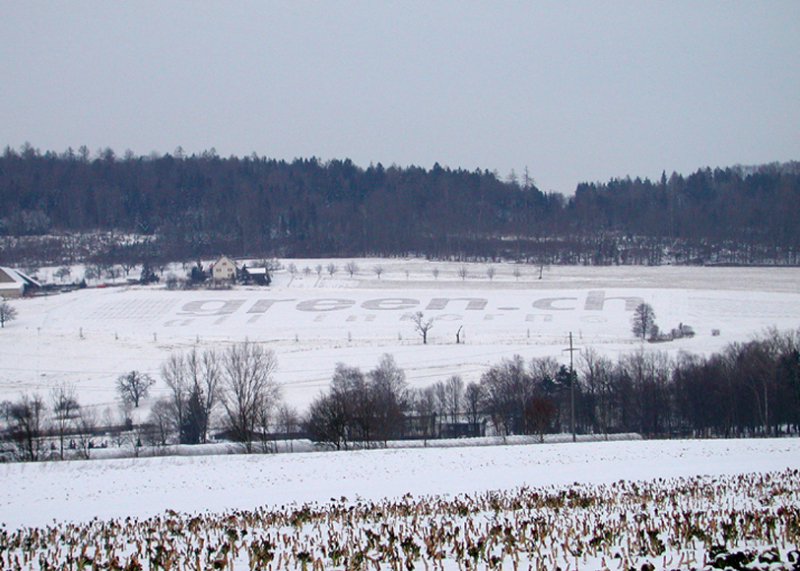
{"type": "Point", "coordinates": [223, 270]}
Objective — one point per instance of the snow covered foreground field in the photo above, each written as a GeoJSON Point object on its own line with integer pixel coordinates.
{"type": "Point", "coordinates": [514, 507]}
{"type": "Point", "coordinates": [37, 494]}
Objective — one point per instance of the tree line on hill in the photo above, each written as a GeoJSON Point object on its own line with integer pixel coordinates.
{"type": "Point", "coordinates": [182, 207]}
{"type": "Point", "coordinates": [748, 389]}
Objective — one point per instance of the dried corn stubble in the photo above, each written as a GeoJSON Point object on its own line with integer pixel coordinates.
{"type": "Point", "coordinates": [682, 523]}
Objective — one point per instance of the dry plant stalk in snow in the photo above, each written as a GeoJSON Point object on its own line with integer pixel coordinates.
{"type": "Point", "coordinates": [745, 521]}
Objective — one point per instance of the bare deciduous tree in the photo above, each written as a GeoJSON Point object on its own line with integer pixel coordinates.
{"type": "Point", "coordinates": [350, 387]}
{"type": "Point", "coordinates": [378, 270]}
{"type": "Point", "coordinates": [422, 403]}
{"type": "Point", "coordinates": [506, 387]}
{"type": "Point", "coordinates": [643, 320]}
{"type": "Point", "coordinates": [194, 381]}
{"type": "Point", "coordinates": [134, 386]}
{"type": "Point", "coordinates": [331, 268]}
{"type": "Point", "coordinates": [539, 412]}
{"type": "Point", "coordinates": [351, 268]}
{"type": "Point", "coordinates": [127, 264]}
{"type": "Point", "coordinates": [388, 391]}
{"type": "Point", "coordinates": [63, 272]}
{"type": "Point", "coordinates": [339, 418]}
{"type": "Point", "coordinates": [598, 378]}
{"type": "Point", "coordinates": [92, 272]}
{"type": "Point", "coordinates": [288, 419]}
{"type": "Point", "coordinates": [326, 421]}
{"type": "Point", "coordinates": [65, 409]}
{"type": "Point", "coordinates": [5, 408]}
{"type": "Point", "coordinates": [473, 401]}
{"type": "Point", "coordinates": [422, 326]}
{"type": "Point", "coordinates": [173, 373]}
{"type": "Point", "coordinates": [113, 272]}
{"type": "Point", "coordinates": [86, 426]}
{"type": "Point", "coordinates": [463, 272]}
{"type": "Point", "coordinates": [161, 421]}
{"type": "Point", "coordinates": [7, 313]}
{"type": "Point", "coordinates": [26, 427]}
{"type": "Point", "coordinates": [541, 265]}
{"type": "Point", "coordinates": [249, 390]}
{"type": "Point", "coordinates": [360, 410]}
{"type": "Point", "coordinates": [206, 374]}
{"type": "Point", "coordinates": [288, 423]}
{"type": "Point", "coordinates": [454, 394]}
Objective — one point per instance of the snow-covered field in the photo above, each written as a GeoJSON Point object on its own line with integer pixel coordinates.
{"type": "Point", "coordinates": [600, 505]}
{"type": "Point", "coordinates": [37, 494]}
{"type": "Point", "coordinates": [90, 337]}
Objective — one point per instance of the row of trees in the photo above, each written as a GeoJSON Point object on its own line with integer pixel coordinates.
{"type": "Point", "coordinates": [239, 382]}
{"type": "Point", "coordinates": [360, 408]}
{"type": "Point", "coordinates": [40, 429]}
{"type": "Point", "coordinates": [233, 391]}
{"type": "Point", "coordinates": [199, 205]}
{"type": "Point", "coordinates": [748, 389]}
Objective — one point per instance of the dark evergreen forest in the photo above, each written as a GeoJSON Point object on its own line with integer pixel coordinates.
{"type": "Point", "coordinates": [184, 207]}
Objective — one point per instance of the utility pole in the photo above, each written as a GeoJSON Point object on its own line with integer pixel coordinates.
{"type": "Point", "coordinates": [571, 389]}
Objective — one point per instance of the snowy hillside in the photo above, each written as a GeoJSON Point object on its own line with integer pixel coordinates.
{"type": "Point", "coordinates": [89, 337]}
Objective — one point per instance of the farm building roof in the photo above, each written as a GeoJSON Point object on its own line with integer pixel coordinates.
{"type": "Point", "coordinates": [13, 282]}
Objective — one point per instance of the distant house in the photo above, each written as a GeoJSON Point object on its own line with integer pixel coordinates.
{"type": "Point", "coordinates": [223, 270]}
{"type": "Point", "coordinates": [14, 283]}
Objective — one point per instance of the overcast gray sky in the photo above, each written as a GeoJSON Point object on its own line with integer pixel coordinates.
{"type": "Point", "coordinates": [575, 91]}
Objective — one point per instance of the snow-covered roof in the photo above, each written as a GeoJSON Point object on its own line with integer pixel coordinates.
{"type": "Point", "coordinates": [15, 280]}
{"type": "Point", "coordinates": [257, 271]}
{"type": "Point", "coordinates": [223, 259]}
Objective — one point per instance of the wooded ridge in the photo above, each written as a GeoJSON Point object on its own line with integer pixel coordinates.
{"type": "Point", "coordinates": [187, 207]}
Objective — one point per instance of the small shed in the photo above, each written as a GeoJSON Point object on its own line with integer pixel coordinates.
{"type": "Point", "coordinates": [14, 283]}
{"type": "Point", "coordinates": [259, 276]}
